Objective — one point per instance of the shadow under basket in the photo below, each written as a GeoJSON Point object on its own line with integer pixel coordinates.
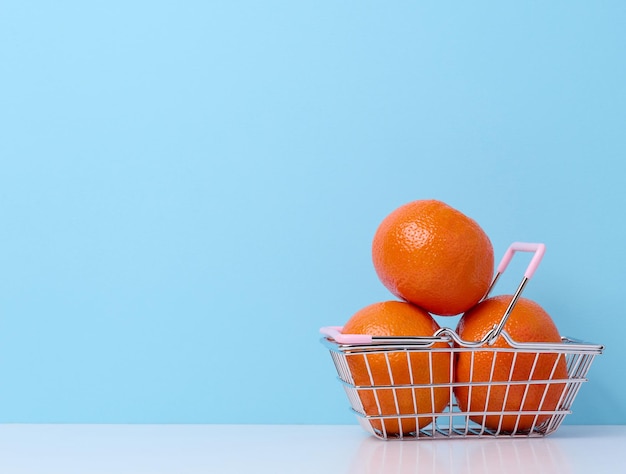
{"type": "Point", "coordinates": [409, 388]}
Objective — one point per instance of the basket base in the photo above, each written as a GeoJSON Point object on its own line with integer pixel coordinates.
{"type": "Point", "coordinates": [455, 425]}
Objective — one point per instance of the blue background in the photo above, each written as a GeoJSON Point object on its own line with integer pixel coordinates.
{"type": "Point", "coordinates": [188, 190]}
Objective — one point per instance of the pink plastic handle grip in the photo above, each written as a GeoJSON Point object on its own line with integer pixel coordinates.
{"type": "Point", "coordinates": [539, 250]}
{"type": "Point", "coordinates": [335, 333]}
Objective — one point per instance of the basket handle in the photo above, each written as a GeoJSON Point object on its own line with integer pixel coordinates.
{"type": "Point", "coordinates": [334, 332]}
{"type": "Point", "coordinates": [539, 250]}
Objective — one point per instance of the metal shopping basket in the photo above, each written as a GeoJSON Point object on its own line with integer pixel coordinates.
{"type": "Point", "coordinates": [533, 406]}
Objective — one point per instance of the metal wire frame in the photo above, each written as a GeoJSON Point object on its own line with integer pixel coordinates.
{"type": "Point", "coordinates": [452, 422]}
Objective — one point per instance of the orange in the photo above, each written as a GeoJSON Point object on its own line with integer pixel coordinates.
{"type": "Point", "coordinates": [528, 322]}
{"type": "Point", "coordinates": [398, 318]}
{"type": "Point", "coordinates": [434, 256]}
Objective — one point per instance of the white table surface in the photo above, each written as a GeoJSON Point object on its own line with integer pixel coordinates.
{"type": "Point", "coordinates": [190, 449]}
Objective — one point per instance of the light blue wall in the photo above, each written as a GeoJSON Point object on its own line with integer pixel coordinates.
{"type": "Point", "coordinates": [188, 190]}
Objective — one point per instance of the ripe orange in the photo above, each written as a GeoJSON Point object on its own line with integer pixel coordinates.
{"type": "Point", "coordinates": [528, 322]}
{"type": "Point", "coordinates": [434, 256]}
{"type": "Point", "coordinates": [398, 318]}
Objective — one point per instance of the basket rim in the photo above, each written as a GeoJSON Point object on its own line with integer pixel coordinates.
{"type": "Point", "coordinates": [334, 339]}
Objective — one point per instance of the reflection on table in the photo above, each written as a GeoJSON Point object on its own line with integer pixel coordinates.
{"type": "Point", "coordinates": [480, 456]}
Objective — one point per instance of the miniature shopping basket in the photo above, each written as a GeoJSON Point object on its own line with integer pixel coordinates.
{"type": "Point", "coordinates": [410, 407]}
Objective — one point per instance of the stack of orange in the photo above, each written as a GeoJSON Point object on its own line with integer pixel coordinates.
{"type": "Point", "coordinates": [438, 261]}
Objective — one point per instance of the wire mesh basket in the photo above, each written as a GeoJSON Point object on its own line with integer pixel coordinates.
{"type": "Point", "coordinates": [408, 387]}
